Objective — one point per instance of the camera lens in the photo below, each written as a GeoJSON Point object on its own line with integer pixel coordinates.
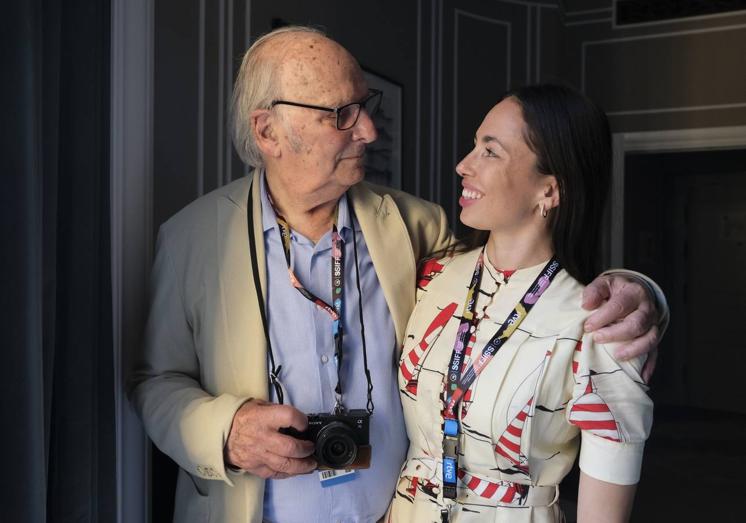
{"type": "Point", "coordinates": [335, 447]}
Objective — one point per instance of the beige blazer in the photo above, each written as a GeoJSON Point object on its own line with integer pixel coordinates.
{"type": "Point", "coordinates": [204, 351]}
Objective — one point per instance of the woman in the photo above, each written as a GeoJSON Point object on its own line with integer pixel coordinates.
{"type": "Point", "coordinates": [498, 380]}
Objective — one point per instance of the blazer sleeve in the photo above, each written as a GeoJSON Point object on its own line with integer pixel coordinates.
{"type": "Point", "coordinates": [182, 419]}
{"type": "Point", "coordinates": [654, 291]}
{"type": "Point", "coordinates": [427, 226]}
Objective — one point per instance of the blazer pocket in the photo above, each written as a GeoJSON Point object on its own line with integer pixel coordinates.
{"type": "Point", "coordinates": [192, 500]}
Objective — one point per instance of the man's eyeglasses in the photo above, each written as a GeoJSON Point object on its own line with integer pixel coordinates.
{"type": "Point", "coordinates": [347, 114]}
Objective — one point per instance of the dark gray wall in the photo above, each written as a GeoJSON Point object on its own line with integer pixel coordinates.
{"type": "Point", "coordinates": [452, 59]}
{"type": "Point", "coordinates": [480, 50]}
{"type": "Point", "coordinates": [198, 47]}
{"type": "Point", "coordinates": [382, 36]}
{"type": "Point", "coordinates": [678, 74]}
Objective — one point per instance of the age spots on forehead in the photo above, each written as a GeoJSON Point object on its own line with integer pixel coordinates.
{"type": "Point", "coordinates": [316, 70]}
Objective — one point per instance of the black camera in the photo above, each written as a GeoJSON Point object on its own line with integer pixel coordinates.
{"type": "Point", "coordinates": [342, 440]}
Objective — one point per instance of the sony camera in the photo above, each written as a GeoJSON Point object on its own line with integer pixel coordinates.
{"type": "Point", "coordinates": [342, 439]}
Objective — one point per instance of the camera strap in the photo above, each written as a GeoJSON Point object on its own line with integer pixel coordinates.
{"type": "Point", "coordinates": [334, 310]}
{"type": "Point", "coordinates": [459, 379]}
{"type": "Point", "coordinates": [274, 373]}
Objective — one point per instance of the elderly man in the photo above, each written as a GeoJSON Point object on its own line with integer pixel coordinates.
{"type": "Point", "coordinates": [253, 262]}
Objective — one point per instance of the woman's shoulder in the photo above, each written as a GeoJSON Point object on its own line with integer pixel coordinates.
{"type": "Point", "coordinates": [451, 265]}
{"type": "Point", "coordinates": [560, 310]}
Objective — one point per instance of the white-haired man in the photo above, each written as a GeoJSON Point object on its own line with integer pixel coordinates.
{"type": "Point", "coordinates": [253, 262]}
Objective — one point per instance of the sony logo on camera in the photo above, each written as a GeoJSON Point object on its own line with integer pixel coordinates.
{"type": "Point", "coordinates": [342, 440]}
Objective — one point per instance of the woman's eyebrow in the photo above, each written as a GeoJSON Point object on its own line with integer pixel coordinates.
{"type": "Point", "coordinates": [490, 139]}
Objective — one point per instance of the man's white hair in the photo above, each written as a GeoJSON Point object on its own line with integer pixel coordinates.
{"type": "Point", "coordinates": [256, 88]}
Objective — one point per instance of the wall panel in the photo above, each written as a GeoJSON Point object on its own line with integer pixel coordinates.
{"type": "Point", "coordinates": [673, 74]}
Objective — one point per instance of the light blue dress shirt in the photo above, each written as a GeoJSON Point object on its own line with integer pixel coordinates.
{"type": "Point", "coordinates": [302, 343]}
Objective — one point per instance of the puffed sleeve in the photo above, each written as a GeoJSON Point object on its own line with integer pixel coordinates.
{"type": "Point", "coordinates": [611, 408]}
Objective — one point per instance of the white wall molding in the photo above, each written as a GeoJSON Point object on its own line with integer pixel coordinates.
{"type": "Point", "coordinates": [586, 22]}
{"type": "Point", "coordinates": [679, 140]}
{"type": "Point", "coordinates": [537, 79]}
{"type": "Point", "coordinates": [530, 4]}
{"type": "Point", "coordinates": [529, 13]}
{"type": "Point", "coordinates": [418, 108]}
{"type": "Point", "coordinates": [131, 142]}
{"type": "Point", "coordinates": [671, 34]}
{"type": "Point", "coordinates": [435, 133]}
{"type": "Point", "coordinates": [201, 100]}
{"type": "Point", "coordinates": [674, 21]}
{"type": "Point", "coordinates": [582, 12]}
{"type": "Point", "coordinates": [687, 108]}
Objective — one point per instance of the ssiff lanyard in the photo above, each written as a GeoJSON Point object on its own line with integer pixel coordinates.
{"type": "Point", "coordinates": [274, 372]}
{"type": "Point", "coordinates": [459, 380]}
{"type": "Point", "coordinates": [337, 279]}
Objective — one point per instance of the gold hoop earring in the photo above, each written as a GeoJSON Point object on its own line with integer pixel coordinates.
{"type": "Point", "coordinates": [543, 211]}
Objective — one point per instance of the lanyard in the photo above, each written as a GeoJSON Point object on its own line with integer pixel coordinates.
{"type": "Point", "coordinates": [459, 380]}
{"type": "Point", "coordinates": [275, 370]}
{"type": "Point", "coordinates": [334, 311]}
{"type": "Point", "coordinates": [337, 283]}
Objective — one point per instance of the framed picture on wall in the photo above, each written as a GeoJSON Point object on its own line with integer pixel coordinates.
{"type": "Point", "coordinates": [383, 157]}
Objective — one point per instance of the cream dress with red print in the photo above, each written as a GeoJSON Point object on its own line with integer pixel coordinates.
{"type": "Point", "coordinates": [522, 421]}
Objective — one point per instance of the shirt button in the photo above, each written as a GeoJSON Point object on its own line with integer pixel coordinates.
{"type": "Point", "coordinates": [324, 358]}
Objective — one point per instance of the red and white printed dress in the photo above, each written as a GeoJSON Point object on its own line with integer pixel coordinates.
{"type": "Point", "coordinates": [547, 389]}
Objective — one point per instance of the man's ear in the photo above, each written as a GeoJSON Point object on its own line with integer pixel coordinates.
{"type": "Point", "coordinates": [263, 126]}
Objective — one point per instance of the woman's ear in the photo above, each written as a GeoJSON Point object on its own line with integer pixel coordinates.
{"type": "Point", "coordinates": [551, 195]}
{"type": "Point", "coordinates": [265, 135]}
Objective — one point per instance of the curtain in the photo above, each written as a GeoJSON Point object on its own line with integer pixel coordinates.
{"type": "Point", "coordinates": [58, 433]}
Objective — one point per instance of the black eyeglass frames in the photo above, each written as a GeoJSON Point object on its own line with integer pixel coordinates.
{"type": "Point", "coordinates": [348, 114]}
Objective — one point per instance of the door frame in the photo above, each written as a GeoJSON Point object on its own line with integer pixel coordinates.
{"type": "Point", "coordinates": [676, 140]}
{"type": "Point", "coordinates": [131, 193]}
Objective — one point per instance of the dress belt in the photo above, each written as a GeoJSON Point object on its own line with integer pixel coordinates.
{"type": "Point", "coordinates": [491, 491]}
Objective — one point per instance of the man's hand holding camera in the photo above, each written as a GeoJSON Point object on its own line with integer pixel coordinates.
{"type": "Point", "coordinates": [256, 445]}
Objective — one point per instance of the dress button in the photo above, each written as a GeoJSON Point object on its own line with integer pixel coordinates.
{"type": "Point", "coordinates": [324, 358]}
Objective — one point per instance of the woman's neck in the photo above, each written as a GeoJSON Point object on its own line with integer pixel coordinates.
{"type": "Point", "coordinates": [508, 251]}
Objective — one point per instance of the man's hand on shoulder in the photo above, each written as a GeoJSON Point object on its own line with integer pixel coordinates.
{"type": "Point", "coordinates": [626, 314]}
{"type": "Point", "coordinates": [255, 445]}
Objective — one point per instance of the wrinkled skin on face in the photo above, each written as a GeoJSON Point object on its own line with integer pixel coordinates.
{"type": "Point", "coordinates": [313, 161]}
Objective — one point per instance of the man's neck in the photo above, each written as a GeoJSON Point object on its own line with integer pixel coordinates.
{"type": "Point", "coordinates": [304, 214]}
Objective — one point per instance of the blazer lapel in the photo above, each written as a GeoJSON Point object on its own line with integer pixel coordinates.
{"type": "Point", "coordinates": [390, 250]}
{"type": "Point", "coordinates": [236, 297]}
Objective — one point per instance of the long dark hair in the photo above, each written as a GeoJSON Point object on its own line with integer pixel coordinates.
{"type": "Point", "coordinates": [571, 139]}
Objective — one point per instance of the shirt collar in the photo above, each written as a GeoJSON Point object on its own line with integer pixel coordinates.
{"type": "Point", "coordinates": [517, 277]}
{"type": "Point", "coordinates": [269, 218]}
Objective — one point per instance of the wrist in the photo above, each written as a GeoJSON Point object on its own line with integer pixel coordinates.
{"type": "Point", "coordinates": [654, 292]}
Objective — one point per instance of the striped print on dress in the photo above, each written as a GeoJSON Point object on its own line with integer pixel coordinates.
{"type": "Point", "coordinates": [502, 491]}
{"type": "Point", "coordinates": [430, 269]}
{"type": "Point", "coordinates": [591, 413]}
{"type": "Point", "coordinates": [409, 363]}
{"type": "Point", "coordinates": [509, 444]}
{"type": "Point", "coordinates": [575, 356]}
{"type": "Point", "coordinates": [412, 489]}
